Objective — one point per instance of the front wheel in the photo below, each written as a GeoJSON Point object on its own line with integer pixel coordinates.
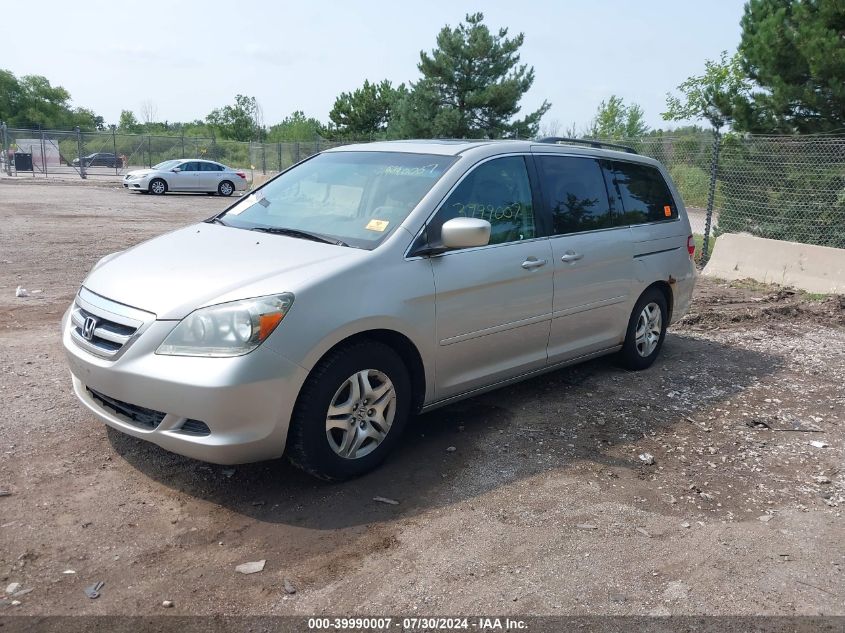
{"type": "Point", "coordinates": [225, 188]}
{"type": "Point", "coordinates": [350, 412]}
{"type": "Point", "coordinates": [646, 330]}
{"type": "Point", "coordinates": [158, 187]}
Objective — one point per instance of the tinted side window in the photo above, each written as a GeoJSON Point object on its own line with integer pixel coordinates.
{"type": "Point", "coordinates": [576, 193]}
{"type": "Point", "coordinates": [188, 167]}
{"type": "Point", "coordinates": [645, 195]}
{"type": "Point", "coordinates": [497, 191]}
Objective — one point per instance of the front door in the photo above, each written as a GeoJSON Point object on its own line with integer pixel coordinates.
{"type": "Point", "coordinates": [493, 302]}
{"type": "Point", "coordinates": [187, 178]}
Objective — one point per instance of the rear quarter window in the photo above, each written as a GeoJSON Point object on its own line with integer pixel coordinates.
{"type": "Point", "coordinates": [644, 194]}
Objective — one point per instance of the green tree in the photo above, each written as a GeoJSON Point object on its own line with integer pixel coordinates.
{"type": "Point", "coordinates": [10, 96]}
{"type": "Point", "coordinates": [127, 123]}
{"type": "Point", "coordinates": [296, 127]}
{"type": "Point", "coordinates": [471, 87]}
{"type": "Point", "coordinates": [238, 122]}
{"type": "Point", "coordinates": [615, 120]}
{"type": "Point", "coordinates": [32, 102]}
{"type": "Point", "coordinates": [715, 96]}
{"type": "Point", "coordinates": [794, 52]}
{"type": "Point", "coordinates": [367, 110]}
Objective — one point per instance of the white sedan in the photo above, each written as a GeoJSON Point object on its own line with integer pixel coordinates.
{"type": "Point", "coordinates": [186, 175]}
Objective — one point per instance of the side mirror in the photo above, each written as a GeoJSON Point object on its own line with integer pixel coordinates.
{"type": "Point", "coordinates": [465, 233]}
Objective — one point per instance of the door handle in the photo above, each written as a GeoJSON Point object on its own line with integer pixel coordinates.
{"type": "Point", "coordinates": [571, 256]}
{"type": "Point", "coordinates": [530, 263]}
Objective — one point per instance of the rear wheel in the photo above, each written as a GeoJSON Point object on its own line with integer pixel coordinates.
{"type": "Point", "coordinates": [646, 330]}
{"type": "Point", "coordinates": [351, 411]}
{"type": "Point", "coordinates": [158, 186]}
{"type": "Point", "coordinates": [225, 188]}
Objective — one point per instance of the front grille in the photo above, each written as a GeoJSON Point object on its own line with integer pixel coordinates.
{"type": "Point", "coordinates": [147, 419]}
{"type": "Point", "coordinates": [104, 327]}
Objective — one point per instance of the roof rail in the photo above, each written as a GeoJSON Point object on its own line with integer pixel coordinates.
{"type": "Point", "coordinates": [554, 140]}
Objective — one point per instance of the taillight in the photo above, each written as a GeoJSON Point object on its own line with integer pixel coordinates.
{"type": "Point", "coordinates": [241, 174]}
{"type": "Point", "coordinates": [691, 247]}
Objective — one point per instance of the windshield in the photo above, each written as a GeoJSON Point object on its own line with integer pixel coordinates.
{"type": "Point", "coordinates": [168, 164]}
{"type": "Point", "coordinates": [356, 198]}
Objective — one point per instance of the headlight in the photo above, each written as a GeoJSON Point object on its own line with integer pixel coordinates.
{"type": "Point", "coordinates": [228, 329]}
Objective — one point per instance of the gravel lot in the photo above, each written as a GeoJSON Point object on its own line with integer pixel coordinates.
{"type": "Point", "coordinates": [543, 508]}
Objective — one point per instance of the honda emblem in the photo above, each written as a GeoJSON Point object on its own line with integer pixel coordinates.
{"type": "Point", "coordinates": [88, 328]}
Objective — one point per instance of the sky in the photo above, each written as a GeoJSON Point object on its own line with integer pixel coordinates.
{"type": "Point", "coordinates": [187, 58]}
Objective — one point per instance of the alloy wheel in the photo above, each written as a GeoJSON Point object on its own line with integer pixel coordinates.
{"type": "Point", "coordinates": [649, 328]}
{"type": "Point", "coordinates": [360, 414]}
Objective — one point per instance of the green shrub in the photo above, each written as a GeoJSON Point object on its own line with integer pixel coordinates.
{"type": "Point", "coordinates": [694, 185]}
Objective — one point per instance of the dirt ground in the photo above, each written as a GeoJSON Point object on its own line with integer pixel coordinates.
{"type": "Point", "coordinates": [544, 507]}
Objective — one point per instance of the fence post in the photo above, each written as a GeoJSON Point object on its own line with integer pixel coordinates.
{"type": "Point", "coordinates": [114, 147]}
{"type": "Point", "coordinates": [43, 157]}
{"type": "Point", "coordinates": [264, 159]}
{"type": "Point", "coordinates": [5, 140]}
{"type": "Point", "coordinates": [279, 147]}
{"type": "Point", "coordinates": [296, 155]}
{"type": "Point", "coordinates": [79, 153]}
{"type": "Point", "coordinates": [149, 151]}
{"type": "Point", "coordinates": [711, 195]}
{"type": "Point", "coordinates": [183, 144]}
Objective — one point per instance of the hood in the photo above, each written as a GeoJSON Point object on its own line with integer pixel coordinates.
{"type": "Point", "coordinates": [204, 264]}
{"type": "Point", "coordinates": [140, 172]}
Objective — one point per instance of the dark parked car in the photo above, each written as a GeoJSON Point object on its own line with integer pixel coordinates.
{"type": "Point", "coordinates": [100, 159]}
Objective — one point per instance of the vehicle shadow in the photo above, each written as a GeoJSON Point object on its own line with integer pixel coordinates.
{"type": "Point", "coordinates": [544, 424]}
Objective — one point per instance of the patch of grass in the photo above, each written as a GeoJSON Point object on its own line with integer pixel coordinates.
{"type": "Point", "coordinates": [815, 296]}
{"type": "Point", "coordinates": [753, 285]}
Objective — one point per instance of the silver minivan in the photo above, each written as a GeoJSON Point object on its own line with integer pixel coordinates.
{"type": "Point", "coordinates": [371, 282]}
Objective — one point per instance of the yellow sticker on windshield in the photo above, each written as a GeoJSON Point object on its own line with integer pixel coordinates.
{"type": "Point", "coordinates": [377, 225]}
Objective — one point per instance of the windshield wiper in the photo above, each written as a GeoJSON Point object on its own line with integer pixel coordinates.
{"type": "Point", "coordinates": [217, 221]}
{"type": "Point", "coordinates": [305, 235]}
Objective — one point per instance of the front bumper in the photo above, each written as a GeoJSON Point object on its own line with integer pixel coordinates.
{"type": "Point", "coordinates": [246, 402]}
{"type": "Point", "coordinates": [137, 184]}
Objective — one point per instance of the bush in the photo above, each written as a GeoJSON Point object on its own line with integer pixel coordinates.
{"type": "Point", "coordinates": [694, 185]}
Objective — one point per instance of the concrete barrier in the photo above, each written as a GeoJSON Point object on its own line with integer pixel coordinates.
{"type": "Point", "coordinates": [811, 268]}
{"type": "Point", "coordinates": [259, 179]}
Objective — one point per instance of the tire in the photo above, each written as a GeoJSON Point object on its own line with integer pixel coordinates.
{"type": "Point", "coordinates": [226, 188]}
{"type": "Point", "coordinates": [157, 186]}
{"type": "Point", "coordinates": [650, 316]}
{"type": "Point", "coordinates": [318, 449]}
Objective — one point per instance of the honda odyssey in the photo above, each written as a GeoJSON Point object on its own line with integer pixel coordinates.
{"type": "Point", "coordinates": [372, 282]}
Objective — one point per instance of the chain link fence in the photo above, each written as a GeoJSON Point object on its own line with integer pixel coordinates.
{"type": "Point", "coordinates": [76, 154]}
{"type": "Point", "coordinates": [780, 187]}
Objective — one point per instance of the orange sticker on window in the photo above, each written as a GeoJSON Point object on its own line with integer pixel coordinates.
{"type": "Point", "coordinates": [667, 211]}
{"type": "Point", "coordinates": [377, 225]}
